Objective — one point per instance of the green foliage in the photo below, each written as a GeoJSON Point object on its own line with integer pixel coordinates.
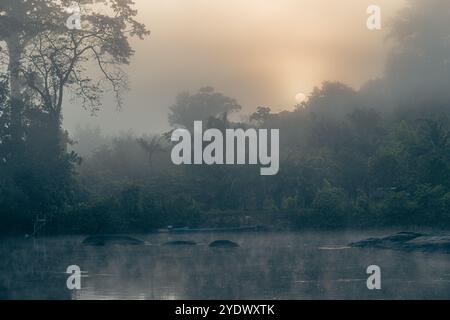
{"type": "Point", "coordinates": [330, 204]}
{"type": "Point", "coordinates": [365, 170]}
{"type": "Point", "coordinates": [348, 172]}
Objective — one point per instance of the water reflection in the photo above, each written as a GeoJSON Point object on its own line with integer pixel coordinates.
{"type": "Point", "coordinates": [308, 265]}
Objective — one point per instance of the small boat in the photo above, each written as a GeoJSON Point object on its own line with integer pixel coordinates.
{"type": "Point", "coordinates": [192, 230]}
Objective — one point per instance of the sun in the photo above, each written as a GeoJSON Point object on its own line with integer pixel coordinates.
{"type": "Point", "coordinates": [300, 97]}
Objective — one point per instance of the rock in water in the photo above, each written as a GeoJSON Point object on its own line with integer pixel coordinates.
{"type": "Point", "coordinates": [223, 244]}
{"type": "Point", "coordinates": [180, 243]}
{"type": "Point", "coordinates": [389, 241]}
{"type": "Point", "coordinates": [408, 241]}
{"type": "Point", "coordinates": [102, 240]}
{"type": "Point", "coordinates": [436, 243]}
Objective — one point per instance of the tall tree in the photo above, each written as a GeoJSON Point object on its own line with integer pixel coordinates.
{"type": "Point", "coordinates": [202, 105]}
{"type": "Point", "coordinates": [20, 21]}
{"type": "Point", "coordinates": [47, 57]}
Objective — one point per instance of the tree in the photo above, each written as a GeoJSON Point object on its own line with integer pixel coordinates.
{"type": "Point", "coordinates": [151, 147]}
{"type": "Point", "coordinates": [333, 100]}
{"type": "Point", "coordinates": [204, 104]}
{"type": "Point", "coordinates": [46, 57]}
{"type": "Point", "coordinates": [4, 116]}
{"type": "Point", "coordinates": [261, 115]}
{"type": "Point", "coordinates": [20, 21]}
{"type": "Point", "coordinates": [41, 60]}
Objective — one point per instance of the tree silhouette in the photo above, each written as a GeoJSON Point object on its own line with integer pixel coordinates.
{"type": "Point", "coordinates": [45, 58]}
{"type": "Point", "coordinates": [204, 104]}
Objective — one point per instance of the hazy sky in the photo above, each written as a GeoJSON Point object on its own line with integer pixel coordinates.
{"type": "Point", "coordinates": [261, 52]}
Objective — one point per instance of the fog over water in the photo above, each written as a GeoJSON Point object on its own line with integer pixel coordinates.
{"type": "Point", "coordinates": [281, 265]}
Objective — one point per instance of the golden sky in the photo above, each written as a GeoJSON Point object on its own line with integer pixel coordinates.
{"type": "Point", "coordinates": [261, 52]}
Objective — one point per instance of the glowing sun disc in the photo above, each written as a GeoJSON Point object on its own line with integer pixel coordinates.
{"type": "Point", "coordinates": [300, 97]}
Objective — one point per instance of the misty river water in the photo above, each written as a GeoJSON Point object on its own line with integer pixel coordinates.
{"type": "Point", "coordinates": [266, 265]}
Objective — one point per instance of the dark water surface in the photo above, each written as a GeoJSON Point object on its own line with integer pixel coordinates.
{"type": "Point", "coordinates": [285, 265]}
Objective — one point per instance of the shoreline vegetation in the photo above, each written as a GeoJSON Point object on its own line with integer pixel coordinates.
{"type": "Point", "coordinates": [231, 221]}
{"type": "Point", "coordinates": [360, 170]}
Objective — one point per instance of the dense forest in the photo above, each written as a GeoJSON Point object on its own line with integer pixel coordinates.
{"type": "Point", "coordinates": [349, 158]}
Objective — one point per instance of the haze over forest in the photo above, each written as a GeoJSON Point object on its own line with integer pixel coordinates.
{"type": "Point", "coordinates": [262, 53]}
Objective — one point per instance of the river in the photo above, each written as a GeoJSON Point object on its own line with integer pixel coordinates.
{"type": "Point", "coordinates": [266, 265]}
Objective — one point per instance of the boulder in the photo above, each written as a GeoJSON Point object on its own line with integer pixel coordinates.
{"type": "Point", "coordinates": [223, 244]}
{"type": "Point", "coordinates": [408, 241]}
